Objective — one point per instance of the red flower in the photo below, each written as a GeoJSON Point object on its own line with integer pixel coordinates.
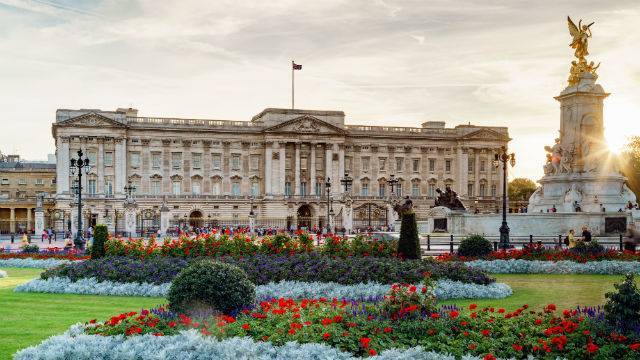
{"type": "Point", "coordinates": [172, 324]}
{"type": "Point", "coordinates": [388, 330]}
{"type": "Point", "coordinates": [473, 306]}
{"type": "Point", "coordinates": [326, 321]}
{"type": "Point", "coordinates": [372, 352]}
{"type": "Point", "coordinates": [93, 321]}
{"type": "Point", "coordinates": [486, 332]}
{"type": "Point", "coordinates": [635, 347]}
{"type": "Point", "coordinates": [501, 311]}
{"type": "Point", "coordinates": [246, 326]}
{"type": "Point", "coordinates": [591, 348]}
{"type": "Point", "coordinates": [435, 316]}
{"type": "Point", "coordinates": [292, 331]}
{"type": "Point", "coordinates": [472, 346]}
{"type": "Point", "coordinates": [586, 332]}
{"type": "Point", "coordinates": [454, 314]}
{"type": "Point", "coordinates": [364, 342]}
{"type": "Point", "coordinates": [489, 357]}
{"type": "Point", "coordinates": [538, 321]}
{"type": "Point", "coordinates": [517, 347]}
{"type": "Point", "coordinates": [326, 336]}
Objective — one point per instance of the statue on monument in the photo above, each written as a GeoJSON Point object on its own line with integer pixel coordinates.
{"type": "Point", "coordinates": [449, 199]}
{"type": "Point", "coordinates": [554, 157]}
{"type": "Point", "coordinates": [581, 35]}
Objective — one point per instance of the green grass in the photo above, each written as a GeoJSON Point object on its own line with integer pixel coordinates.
{"type": "Point", "coordinates": [26, 318]}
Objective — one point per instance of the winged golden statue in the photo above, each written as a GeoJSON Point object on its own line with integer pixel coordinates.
{"type": "Point", "coordinates": [581, 34]}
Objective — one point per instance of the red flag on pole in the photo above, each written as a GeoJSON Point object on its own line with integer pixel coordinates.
{"type": "Point", "coordinates": [296, 66]}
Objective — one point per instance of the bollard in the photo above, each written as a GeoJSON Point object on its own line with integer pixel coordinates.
{"type": "Point", "coordinates": [50, 239]}
{"type": "Point", "coordinates": [12, 238]}
{"type": "Point", "coordinates": [560, 241]}
{"type": "Point", "coordinates": [530, 239]}
{"type": "Point", "coordinates": [451, 244]}
{"type": "Point", "coordinates": [621, 245]}
{"type": "Point", "coordinates": [428, 242]}
{"type": "Point", "coordinates": [495, 246]}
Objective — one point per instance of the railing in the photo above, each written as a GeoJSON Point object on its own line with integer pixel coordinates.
{"type": "Point", "coordinates": [191, 122]}
{"type": "Point", "coordinates": [402, 129]}
{"type": "Point", "coordinates": [437, 245]}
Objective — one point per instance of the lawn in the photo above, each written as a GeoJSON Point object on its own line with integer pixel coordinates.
{"type": "Point", "coordinates": [26, 319]}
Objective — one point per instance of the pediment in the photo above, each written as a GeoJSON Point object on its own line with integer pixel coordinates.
{"type": "Point", "coordinates": [306, 125]}
{"type": "Point", "coordinates": [92, 119]}
{"type": "Point", "coordinates": [485, 134]}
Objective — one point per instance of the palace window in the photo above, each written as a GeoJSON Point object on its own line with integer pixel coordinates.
{"type": "Point", "coordinates": [108, 158]}
{"type": "Point", "coordinates": [195, 188]}
{"type": "Point", "coordinates": [365, 164]}
{"type": "Point", "coordinates": [108, 187]}
{"type": "Point", "coordinates": [196, 159]}
{"type": "Point", "coordinates": [494, 190]}
{"type": "Point", "coordinates": [432, 190]}
{"type": "Point", "coordinates": [483, 165]}
{"type": "Point", "coordinates": [215, 188]}
{"type": "Point", "coordinates": [381, 190]}
{"type": "Point", "coordinates": [175, 187]}
{"type": "Point", "coordinates": [416, 165]}
{"type": "Point", "coordinates": [319, 163]}
{"type": "Point", "coordinates": [303, 163]}
{"type": "Point", "coordinates": [399, 164]}
{"type": "Point", "coordinates": [471, 165]}
{"type": "Point", "coordinates": [22, 181]}
{"type": "Point", "coordinates": [382, 163]}
{"type": "Point", "coordinates": [4, 182]}
{"type": "Point", "coordinates": [399, 189]}
{"type": "Point", "coordinates": [155, 160]}
{"type": "Point", "coordinates": [255, 162]}
{"type": "Point", "coordinates": [287, 163]}
{"type": "Point", "coordinates": [432, 165]}
{"type": "Point", "coordinates": [39, 182]}
{"type": "Point", "coordinates": [235, 162]}
{"type": "Point", "coordinates": [415, 189]}
{"type": "Point", "coordinates": [303, 188]}
{"type": "Point", "coordinates": [348, 162]}
{"type": "Point", "coordinates": [447, 166]}
{"type": "Point", "coordinates": [91, 155]}
{"type": "Point", "coordinates": [364, 190]}
{"type": "Point", "coordinates": [318, 189]}
{"type": "Point", "coordinates": [176, 160]}
{"type": "Point", "coordinates": [235, 188]}
{"type": "Point", "coordinates": [155, 187]}
{"type": "Point", "coordinates": [483, 190]}
{"type": "Point", "coordinates": [134, 157]}
{"type": "Point", "coordinates": [255, 188]}
{"type": "Point", "coordinates": [287, 188]}
{"type": "Point", "coordinates": [470, 189]}
{"type": "Point", "coordinates": [91, 187]}
{"type": "Point", "coordinates": [216, 161]}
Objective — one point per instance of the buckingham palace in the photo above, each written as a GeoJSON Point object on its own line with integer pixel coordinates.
{"type": "Point", "coordinates": [275, 166]}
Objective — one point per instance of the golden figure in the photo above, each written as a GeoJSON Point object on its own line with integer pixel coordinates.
{"type": "Point", "coordinates": [581, 35]}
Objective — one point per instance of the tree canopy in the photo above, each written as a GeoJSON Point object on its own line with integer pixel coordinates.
{"type": "Point", "coordinates": [630, 163]}
{"type": "Point", "coordinates": [520, 189]}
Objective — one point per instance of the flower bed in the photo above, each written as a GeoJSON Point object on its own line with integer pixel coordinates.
{"type": "Point", "coordinates": [49, 253]}
{"type": "Point", "coordinates": [3, 274]}
{"type": "Point", "coordinates": [192, 344]}
{"type": "Point", "coordinates": [352, 329]}
{"type": "Point", "coordinates": [35, 263]}
{"type": "Point", "coordinates": [538, 252]}
{"type": "Point", "coordinates": [444, 289]}
{"type": "Point", "coordinates": [555, 267]}
{"type": "Point", "coordinates": [241, 244]}
{"type": "Point", "coordinates": [263, 269]}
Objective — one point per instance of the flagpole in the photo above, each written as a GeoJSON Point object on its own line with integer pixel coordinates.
{"type": "Point", "coordinates": [292, 86]}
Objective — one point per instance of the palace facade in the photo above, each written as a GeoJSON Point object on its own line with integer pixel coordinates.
{"type": "Point", "coordinates": [213, 171]}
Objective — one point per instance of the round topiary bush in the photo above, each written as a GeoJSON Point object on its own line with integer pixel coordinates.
{"type": "Point", "coordinates": [208, 286]}
{"type": "Point", "coordinates": [476, 246]}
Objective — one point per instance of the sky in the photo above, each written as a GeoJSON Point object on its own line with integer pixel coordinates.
{"type": "Point", "coordinates": [399, 63]}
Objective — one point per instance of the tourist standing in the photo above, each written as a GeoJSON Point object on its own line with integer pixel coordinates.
{"type": "Point", "coordinates": [586, 234]}
{"type": "Point", "coordinates": [571, 238]}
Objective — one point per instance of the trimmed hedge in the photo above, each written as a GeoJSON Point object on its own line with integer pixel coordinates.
{"type": "Point", "coordinates": [409, 244]}
{"type": "Point", "coordinates": [263, 269]}
{"type": "Point", "coordinates": [99, 238]}
{"type": "Point", "coordinates": [475, 246]}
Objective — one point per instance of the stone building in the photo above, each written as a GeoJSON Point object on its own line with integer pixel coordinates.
{"type": "Point", "coordinates": [20, 183]}
{"type": "Point", "coordinates": [210, 171]}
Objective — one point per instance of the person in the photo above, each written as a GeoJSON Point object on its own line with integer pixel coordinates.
{"type": "Point", "coordinates": [586, 234]}
{"type": "Point", "coordinates": [67, 243]}
{"type": "Point", "coordinates": [571, 238]}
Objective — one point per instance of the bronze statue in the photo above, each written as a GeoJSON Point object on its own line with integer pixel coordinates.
{"type": "Point", "coordinates": [449, 199]}
{"type": "Point", "coordinates": [403, 207]}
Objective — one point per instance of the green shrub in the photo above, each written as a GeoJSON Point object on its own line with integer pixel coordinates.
{"type": "Point", "coordinates": [475, 246]}
{"type": "Point", "coordinates": [622, 309]}
{"type": "Point", "coordinates": [409, 243]}
{"type": "Point", "coordinates": [587, 248]}
{"type": "Point", "coordinates": [207, 285]}
{"type": "Point", "coordinates": [30, 249]}
{"type": "Point", "coordinates": [100, 235]}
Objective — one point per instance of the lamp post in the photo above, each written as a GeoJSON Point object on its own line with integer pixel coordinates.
{"type": "Point", "coordinates": [252, 216]}
{"type": "Point", "coordinates": [129, 189]}
{"type": "Point", "coordinates": [392, 183]}
{"type": "Point", "coordinates": [504, 157]}
{"type": "Point", "coordinates": [327, 187]}
{"type": "Point", "coordinates": [79, 164]}
{"type": "Point", "coordinates": [346, 181]}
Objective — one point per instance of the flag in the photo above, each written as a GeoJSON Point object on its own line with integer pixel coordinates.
{"type": "Point", "coordinates": [296, 66]}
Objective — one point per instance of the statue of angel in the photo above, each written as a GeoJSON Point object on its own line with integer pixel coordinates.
{"type": "Point", "coordinates": [581, 35]}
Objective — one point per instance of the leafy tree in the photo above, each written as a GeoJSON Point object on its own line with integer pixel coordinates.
{"type": "Point", "coordinates": [520, 189]}
{"type": "Point", "coordinates": [622, 309]}
{"type": "Point", "coordinates": [100, 235]}
{"type": "Point", "coordinates": [629, 161]}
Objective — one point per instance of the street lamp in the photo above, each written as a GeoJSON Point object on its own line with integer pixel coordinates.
{"type": "Point", "coordinates": [503, 157]}
{"type": "Point", "coordinates": [346, 181]}
{"type": "Point", "coordinates": [79, 164]}
{"type": "Point", "coordinates": [392, 183]}
{"type": "Point", "coordinates": [327, 187]}
{"type": "Point", "coordinates": [129, 189]}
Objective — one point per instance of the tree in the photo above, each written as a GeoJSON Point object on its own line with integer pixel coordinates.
{"type": "Point", "coordinates": [629, 161]}
{"type": "Point", "coordinates": [409, 243]}
{"type": "Point", "coordinates": [100, 235]}
{"type": "Point", "coordinates": [520, 189]}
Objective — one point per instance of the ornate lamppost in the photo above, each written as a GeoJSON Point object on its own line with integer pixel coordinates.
{"type": "Point", "coordinates": [346, 181]}
{"type": "Point", "coordinates": [504, 157]}
{"type": "Point", "coordinates": [327, 188]}
{"type": "Point", "coordinates": [79, 164]}
{"type": "Point", "coordinates": [392, 183]}
{"type": "Point", "coordinates": [129, 189]}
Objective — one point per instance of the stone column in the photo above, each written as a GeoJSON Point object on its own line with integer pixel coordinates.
{"type": "Point", "coordinates": [12, 220]}
{"type": "Point", "coordinates": [74, 221]}
{"type": "Point", "coordinates": [165, 216]}
{"type": "Point", "coordinates": [110, 221]}
{"type": "Point", "coordinates": [130, 218]}
{"type": "Point", "coordinates": [282, 173]}
{"type": "Point", "coordinates": [252, 224]}
{"type": "Point", "coordinates": [341, 161]}
{"type": "Point", "coordinates": [476, 175]}
{"type": "Point", "coordinates": [28, 218]}
{"type": "Point", "coordinates": [328, 173]}
{"type": "Point", "coordinates": [347, 217]}
{"type": "Point", "coordinates": [100, 167]}
{"type": "Point", "coordinates": [38, 226]}
{"type": "Point", "coordinates": [312, 172]}
{"type": "Point", "coordinates": [463, 171]}
{"type": "Point", "coordinates": [268, 157]}
{"type": "Point", "coordinates": [62, 166]}
{"type": "Point", "coordinates": [120, 165]}
{"type": "Point", "coordinates": [296, 186]}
